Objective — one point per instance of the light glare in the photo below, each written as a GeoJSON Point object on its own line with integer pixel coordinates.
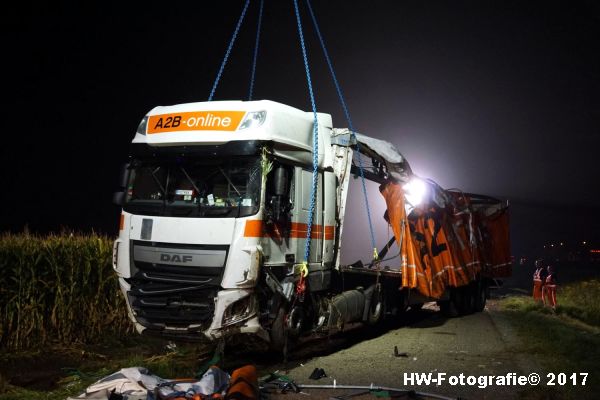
{"type": "Point", "coordinates": [415, 191]}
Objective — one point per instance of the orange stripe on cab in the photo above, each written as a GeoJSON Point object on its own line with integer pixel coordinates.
{"type": "Point", "coordinates": [329, 232]}
{"type": "Point", "coordinates": [297, 230]}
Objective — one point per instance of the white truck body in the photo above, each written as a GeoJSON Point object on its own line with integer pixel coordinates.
{"type": "Point", "coordinates": [214, 220]}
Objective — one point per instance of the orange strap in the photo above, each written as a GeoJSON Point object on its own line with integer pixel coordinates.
{"type": "Point", "coordinates": [243, 384]}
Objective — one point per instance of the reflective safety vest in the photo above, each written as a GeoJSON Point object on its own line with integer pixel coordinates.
{"type": "Point", "coordinates": [537, 275]}
{"type": "Point", "coordinates": [549, 290]}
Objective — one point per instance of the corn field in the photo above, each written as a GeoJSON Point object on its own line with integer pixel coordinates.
{"type": "Point", "coordinates": [58, 289]}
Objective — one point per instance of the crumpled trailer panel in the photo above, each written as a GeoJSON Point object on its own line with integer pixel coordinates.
{"type": "Point", "coordinates": [448, 243]}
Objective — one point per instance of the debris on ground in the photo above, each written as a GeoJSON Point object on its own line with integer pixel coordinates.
{"type": "Point", "coordinates": [318, 373]}
{"type": "Point", "coordinates": [275, 383]}
{"type": "Point", "coordinates": [138, 383]}
{"type": "Point", "coordinates": [399, 354]}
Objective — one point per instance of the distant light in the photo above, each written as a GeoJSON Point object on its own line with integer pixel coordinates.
{"type": "Point", "coordinates": [552, 245]}
{"type": "Point", "coordinates": [544, 246]}
{"type": "Point", "coordinates": [561, 243]}
{"type": "Point", "coordinates": [594, 251]}
{"type": "Point", "coordinates": [584, 242]}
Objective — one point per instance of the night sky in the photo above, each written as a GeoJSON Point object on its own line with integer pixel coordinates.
{"type": "Point", "coordinates": [501, 98]}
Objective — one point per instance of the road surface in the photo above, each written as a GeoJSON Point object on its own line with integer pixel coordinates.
{"type": "Point", "coordinates": [477, 344]}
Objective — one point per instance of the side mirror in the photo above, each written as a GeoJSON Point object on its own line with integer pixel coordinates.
{"type": "Point", "coordinates": [124, 175]}
{"type": "Point", "coordinates": [281, 180]}
{"type": "Point", "coordinates": [118, 198]}
{"type": "Point", "coordinates": [280, 200]}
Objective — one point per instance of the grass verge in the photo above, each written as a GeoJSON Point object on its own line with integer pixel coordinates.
{"type": "Point", "coordinates": [565, 341]}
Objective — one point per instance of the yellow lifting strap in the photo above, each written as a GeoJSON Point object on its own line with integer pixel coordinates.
{"type": "Point", "coordinates": [304, 269]}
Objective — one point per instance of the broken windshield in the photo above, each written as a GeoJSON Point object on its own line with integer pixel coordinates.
{"type": "Point", "coordinates": [185, 187]}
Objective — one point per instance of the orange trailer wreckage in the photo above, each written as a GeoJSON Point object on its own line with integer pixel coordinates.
{"type": "Point", "coordinates": [447, 245]}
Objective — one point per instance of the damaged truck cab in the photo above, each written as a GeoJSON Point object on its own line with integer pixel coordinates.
{"type": "Point", "coordinates": [215, 193]}
{"type": "Point", "coordinates": [215, 206]}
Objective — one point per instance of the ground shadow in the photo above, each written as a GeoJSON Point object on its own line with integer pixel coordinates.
{"type": "Point", "coordinates": [312, 347]}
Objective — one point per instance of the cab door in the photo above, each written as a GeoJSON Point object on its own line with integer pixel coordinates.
{"type": "Point", "coordinates": [301, 225]}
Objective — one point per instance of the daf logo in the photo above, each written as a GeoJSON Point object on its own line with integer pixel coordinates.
{"type": "Point", "coordinates": [175, 257]}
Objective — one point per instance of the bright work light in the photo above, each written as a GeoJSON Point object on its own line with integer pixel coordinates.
{"type": "Point", "coordinates": [253, 119]}
{"type": "Point", "coordinates": [415, 191]}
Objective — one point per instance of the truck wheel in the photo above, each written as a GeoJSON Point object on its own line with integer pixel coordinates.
{"type": "Point", "coordinates": [278, 331]}
{"type": "Point", "coordinates": [467, 299]}
{"type": "Point", "coordinates": [480, 295]}
{"type": "Point", "coordinates": [376, 311]}
{"type": "Point", "coordinates": [449, 308]}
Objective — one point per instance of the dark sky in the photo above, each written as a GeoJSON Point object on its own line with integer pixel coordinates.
{"type": "Point", "coordinates": [501, 98]}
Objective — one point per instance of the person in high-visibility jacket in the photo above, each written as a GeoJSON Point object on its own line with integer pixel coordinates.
{"type": "Point", "coordinates": [539, 277]}
{"type": "Point", "coordinates": [549, 288]}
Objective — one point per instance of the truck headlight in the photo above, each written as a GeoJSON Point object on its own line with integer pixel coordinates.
{"type": "Point", "coordinates": [141, 129]}
{"type": "Point", "coordinates": [415, 191]}
{"type": "Point", "coordinates": [239, 311]}
{"type": "Point", "coordinates": [253, 119]}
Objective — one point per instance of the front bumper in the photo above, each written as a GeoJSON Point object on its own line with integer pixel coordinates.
{"type": "Point", "coordinates": [211, 327]}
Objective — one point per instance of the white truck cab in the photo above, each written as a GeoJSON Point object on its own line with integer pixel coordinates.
{"type": "Point", "coordinates": [215, 209]}
{"type": "Point", "coordinates": [216, 191]}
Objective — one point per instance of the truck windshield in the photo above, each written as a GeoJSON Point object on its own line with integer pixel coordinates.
{"type": "Point", "coordinates": [180, 187]}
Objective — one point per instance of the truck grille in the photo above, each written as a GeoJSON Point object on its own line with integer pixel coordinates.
{"type": "Point", "coordinates": [174, 285]}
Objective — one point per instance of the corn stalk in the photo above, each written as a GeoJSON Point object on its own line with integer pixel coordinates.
{"type": "Point", "coordinates": [59, 288]}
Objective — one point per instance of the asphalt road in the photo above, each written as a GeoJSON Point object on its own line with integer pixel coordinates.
{"type": "Point", "coordinates": [477, 344]}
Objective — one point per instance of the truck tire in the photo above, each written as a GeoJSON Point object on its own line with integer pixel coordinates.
{"type": "Point", "coordinates": [449, 308]}
{"type": "Point", "coordinates": [480, 295]}
{"type": "Point", "coordinates": [467, 299]}
{"type": "Point", "coordinates": [278, 332]}
{"type": "Point", "coordinates": [376, 309]}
